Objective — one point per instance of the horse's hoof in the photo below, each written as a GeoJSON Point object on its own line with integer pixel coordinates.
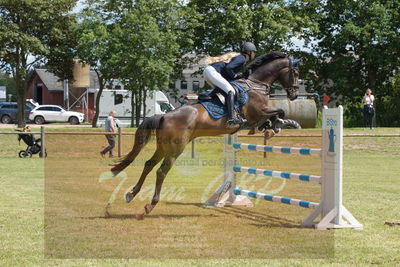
{"type": "Point", "coordinates": [114, 173]}
{"type": "Point", "coordinates": [268, 134]}
{"type": "Point", "coordinates": [128, 197]}
{"type": "Point", "coordinates": [140, 217]}
{"type": "Point", "coordinates": [277, 131]}
{"type": "Point", "coordinates": [252, 131]}
{"type": "Point", "coordinates": [148, 208]}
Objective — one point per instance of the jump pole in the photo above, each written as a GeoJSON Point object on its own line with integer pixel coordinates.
{"type": "Point", "coordinates": [331, 210]}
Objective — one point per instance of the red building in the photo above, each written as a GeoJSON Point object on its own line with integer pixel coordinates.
{"type": "Point", "coordinates": [47, 89]}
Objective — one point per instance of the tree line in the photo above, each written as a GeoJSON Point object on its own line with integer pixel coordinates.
{"type": "Point", "coordinates": [350, 45]}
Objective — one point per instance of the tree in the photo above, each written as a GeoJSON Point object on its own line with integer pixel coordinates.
{"type": "Point", "coordinates": [31, 29]}
{"type": "Point", "coordinates": [148, 46]}
{"type": "Point", "coordinates": [268, 24]}
{"type": "Point", "coordinates": [97, 47]}
{"type": "Point", "coordinates": [133, 41]}
{"type": "Point", "coordinates": [357, 44]}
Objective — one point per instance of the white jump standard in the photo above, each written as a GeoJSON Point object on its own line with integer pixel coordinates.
{"type": "Point", "coordinates": [333, 214]}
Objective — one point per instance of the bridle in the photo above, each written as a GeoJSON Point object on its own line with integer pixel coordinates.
{"type": "Point", "coordinates": [266, 87]}
{"type": "Point", "coordinates": [292, 70]}
{"type": "Point", "coordinates": [293, 86]}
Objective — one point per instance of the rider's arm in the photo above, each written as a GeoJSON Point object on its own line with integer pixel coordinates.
{"type": "Point", "coordinates": [236, 63]}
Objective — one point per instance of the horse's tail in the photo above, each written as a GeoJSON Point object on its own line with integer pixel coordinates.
{"type": "Point", "coordinates": [142, 137]}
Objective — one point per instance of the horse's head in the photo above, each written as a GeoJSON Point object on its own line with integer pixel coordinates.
{"type": "Point", "coordinates": [277, 66]}
{"type": "Point", "coordinates": [289, 77]}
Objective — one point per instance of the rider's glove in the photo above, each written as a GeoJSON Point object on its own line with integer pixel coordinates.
{"type": "Point", "coordinates": [239, 75]}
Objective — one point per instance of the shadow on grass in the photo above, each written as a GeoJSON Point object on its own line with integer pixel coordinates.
{"type": "Point", "coordinates": [135, 216]}
{"type": "Point", "coordinates": [254, 218]}
{"type": "Point", "coordinates": [259, 219]}
{"type": "Point", "coordinates": [195, 204]}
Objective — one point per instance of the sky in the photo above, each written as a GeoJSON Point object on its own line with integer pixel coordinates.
{"type": "Point", "coordinates": [78, 7]}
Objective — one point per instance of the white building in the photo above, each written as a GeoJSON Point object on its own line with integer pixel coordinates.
{"type": "Point", "coordinates": [192, 81]}
{"type": "Point", "coordinates": [3, 96]}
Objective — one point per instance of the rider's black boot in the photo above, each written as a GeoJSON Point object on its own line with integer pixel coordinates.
{"type": "Point", "coordinates": [230, 100]}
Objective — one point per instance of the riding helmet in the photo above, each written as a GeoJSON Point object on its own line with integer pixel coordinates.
{"type": "Point", "coordinates": [248, 47]}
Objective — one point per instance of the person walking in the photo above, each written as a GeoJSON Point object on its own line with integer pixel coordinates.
{"type": "Point", "coordinates": [226, 68]}
{"type": "Point", "coordinates": [110, 127]}
{"type": "Point", "coordinates": [368, 110]}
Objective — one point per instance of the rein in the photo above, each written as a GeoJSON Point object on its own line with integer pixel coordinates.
{"type": "Point", "coordinates": [266, 87]}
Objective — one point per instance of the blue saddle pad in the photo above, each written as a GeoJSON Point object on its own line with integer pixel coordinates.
{"type": "Point", "coordinates": [217, 110]}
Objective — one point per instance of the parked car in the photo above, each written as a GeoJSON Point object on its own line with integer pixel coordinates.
{"type": "Point", "coordinates": [9, 111]}
{"type": "Point", "coordinates": [52, 113]}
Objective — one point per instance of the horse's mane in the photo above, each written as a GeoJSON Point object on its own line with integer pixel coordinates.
{"type": "Point", "coordinates": [264, 59]}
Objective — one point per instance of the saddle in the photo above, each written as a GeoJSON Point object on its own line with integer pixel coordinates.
{"type": "Point", "coordinates": [214, 101]}
{"type": "Point", "coordinates": [209, 95]}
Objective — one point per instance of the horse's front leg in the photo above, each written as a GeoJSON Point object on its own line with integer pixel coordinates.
{"type": "Point", "coordinates": [272, 119]}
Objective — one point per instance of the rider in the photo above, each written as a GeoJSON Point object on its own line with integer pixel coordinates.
{"type": "Point", "coordinates": [219, 74]}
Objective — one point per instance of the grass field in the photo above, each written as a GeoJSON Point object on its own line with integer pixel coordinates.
{"type": "Point", "coordinates": [53, 209]}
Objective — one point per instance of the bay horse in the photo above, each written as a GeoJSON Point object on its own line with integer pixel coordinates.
{"type": "Point", "coordinates": [174, 130]}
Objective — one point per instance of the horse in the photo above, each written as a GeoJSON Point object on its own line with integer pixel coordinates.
{"type": "Point", "coordinates": [175, 129]}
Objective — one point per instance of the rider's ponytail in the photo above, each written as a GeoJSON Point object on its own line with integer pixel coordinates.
{"type": "Point", "coordinates": [225, 58]}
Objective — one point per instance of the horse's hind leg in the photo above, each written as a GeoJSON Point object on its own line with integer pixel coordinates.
{"type": "Point", "coordinates": [161, 174]}
{"type": "Point", "coordinates": [148, 167]}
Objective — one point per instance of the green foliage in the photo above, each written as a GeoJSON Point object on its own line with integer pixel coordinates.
{"type": "Point", "coordinates": [353, 115]}
{"type": "Point", "coordinates": [356, 47]}
{"type": "Point", "coordinates": [96, 46]}
{"type": "Point", "coordinates": [224, 25]}
{"type": "Point", "coordinates": [318, 124]}
{"type": "Point", "coordinates": [37, 29]}
{"type": "Point", "coordinates": [137, 42]}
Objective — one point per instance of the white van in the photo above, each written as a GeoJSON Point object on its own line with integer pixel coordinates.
{"type": "Point", "coordinates": [120, 101]}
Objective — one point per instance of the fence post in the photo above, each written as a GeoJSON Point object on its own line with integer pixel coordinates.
{"type": "Point", "coordinates": [42, 137]}
{"type": "Point", "coordinates": [265, 143]}
{"type": "Point", "coordinates": [193, 149]}
{"type": "Point", "coordinates": [119, 142]}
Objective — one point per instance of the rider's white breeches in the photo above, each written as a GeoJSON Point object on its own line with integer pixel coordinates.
{"type": "Point", "coordinates": [215, 79]}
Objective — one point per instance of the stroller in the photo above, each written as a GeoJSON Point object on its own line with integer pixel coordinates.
{"type": "Point", "coordinates": [34, 145]}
